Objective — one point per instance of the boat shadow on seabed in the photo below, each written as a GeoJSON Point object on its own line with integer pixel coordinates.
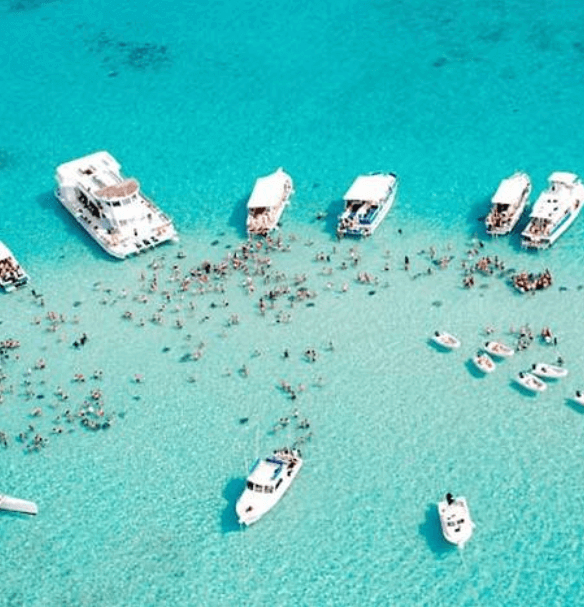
{"type": "Point", "coordinates": [238, 217]}
{"type": "Point", "coordinates": [570, 402]}
{"type": "Point", "coordinates": [522, 390]}
{"type": "Point", "coordinates": [48, 201]}
{"type": "Point", "coordinates": [432, 531]}
{"type": "Point", "coordinates": [6, 514]}
{"type": "Point", "coordinates": [473, 371]}
{"type": "Point", "coordinates": [233, 489]}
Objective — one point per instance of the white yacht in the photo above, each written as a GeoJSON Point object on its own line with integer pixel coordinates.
{"type": "Point", "coordinates": [508, 204]}
{"type": "Point", "coordinates": [367, 202]}
{"type": "Point", "coordinates": [267, 482]}
{"type": "Point", "coordinates": [16, 504]}
{"type": "Point", "coordinates": [457, 526]}
{"type": "Point", "coordinates": [446, 340]}
{"type": "Point", "coordinates": [554, 210]}
{"type": "Point", "coordinates": [110, 207]}
{"type": "Point", "coordinates": [269, 198]}
{"type": "Point", "coordinates": [546, 371]}
{"type": "Point", "coordinates": [11, 273]}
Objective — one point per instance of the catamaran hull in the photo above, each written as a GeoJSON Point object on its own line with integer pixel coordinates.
{"type": "Point", "coordinates": [274, 225]}
{"type": "Point", "coordinates": [15, 504]}
{"type": "Point", "coordinates": [546, 242]}
{"type": "Point", "coordinates": [125, 248]}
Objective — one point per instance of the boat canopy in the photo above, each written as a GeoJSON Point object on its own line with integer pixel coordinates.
{"type": "Point", "coordinates": [370, 188]}
{"type": "Point", "coordinates": [550, 206]}
{"type": "Point", "coordinates": [269, 191]}
{"type": "Point", "coordinates": [567, 179]}
{"type": "Point", "coordinates": [510, 190]}
{"type": "Point", "coordinates": [97, 160]}
{"type": "Point", "coordinates": [553, 203]}
{"type": "Point", "coordinates": [82, 170]}
{"type": "Point", "coordinates": [126, 188]}
{"type": "Point", "coordinates": [265, 472]}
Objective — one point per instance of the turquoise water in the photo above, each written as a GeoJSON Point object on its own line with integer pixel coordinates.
{"type": "Point", "coordinates": [196, 102]}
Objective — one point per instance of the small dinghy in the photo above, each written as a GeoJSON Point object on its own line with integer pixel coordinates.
{"type": "Point", "coordinates": [15, 504]}
{"type": "Point", "coordinates": [548, 371]}
{"type": "Point", "coordinates": [483, 362]}
{"type": "Point", "coordinates": [445, 340]}
{"type": "Point", "coordinates": [457, 526]}
{"type": "Point", "coordinates": [530, 382]}
{"type": "Point", "coordinates": [496, 348]}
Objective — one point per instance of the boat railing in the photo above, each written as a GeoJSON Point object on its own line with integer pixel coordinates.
{"type": "Point", "coordinates": [152, 206]}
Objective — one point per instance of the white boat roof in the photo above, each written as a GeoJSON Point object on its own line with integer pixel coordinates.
{"type": "Point", "coordinates": [565, 178]}
{"type": "Point", "coordinates": [268, 191]}
{"type": "Point", "coordinates": [552, 204]}
{"type": "Point", "coordinates": [370, 188]}
{"type": "Point", "coordinates": [265, 472]}
{"type": "Point", "coordinates": [511, 189]}
{"type": "Point", "coordinates": [548, 207]}
{"type": "Point", "coordinates": [95, 172]}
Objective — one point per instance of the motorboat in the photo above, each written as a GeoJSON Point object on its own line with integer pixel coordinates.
{"type": "Point", "coordinates": [446, 340]}
{"type": "Point", "coordinates": [12, 275]}
{"type": "Point", "coordinates": [457, 525]}
{"type": "Point", "coordinates": [267, 482]}
{"type": "Point", "coordinates": [508, 204]}
{"type": "Point", "coordinates": [15, 504]}
{"type": "Point", "coordinates": [530, 382]}
{"type": "Point", "coordinates": [546, 371]}
{"type": "Point", "coordinates": [367, 202]}
{"type": "Point", "coordinates": [579, 397]}
{"type": "Point", "coordinates": [483, 362]}
{"type": "Point", "coordinates": [554, 211]}
{"type": "Point", "coordinates": [501, 350]}
{"type": "Point", "coordinates": [270, 196]}
{"type": "Point", "coordinates": [111, 207]}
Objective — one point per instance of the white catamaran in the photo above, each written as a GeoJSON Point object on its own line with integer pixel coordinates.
{"type": "Point", "coordinates": [367, 202]}
{"type": "Point", "coordinates": [110, 207]}
{"type": "Point", "coordinates": [554, 211]}
{"type": "Point", "coordinates": [269, 198]}
{"type": "Point", "coordinates": [508, 203]}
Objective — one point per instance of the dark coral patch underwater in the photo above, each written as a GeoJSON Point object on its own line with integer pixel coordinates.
{"type": "Point", "coordinates": [139, 56]}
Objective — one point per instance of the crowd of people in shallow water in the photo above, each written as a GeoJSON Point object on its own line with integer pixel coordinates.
{"type": "Point", "coordinates": [527, 281]}
{"type": "Point", "coordinates": [9, 270]}
{"type": "Point", "coordinates": [252, 260]}
{"type": "Point", "coordinates": [165, 288]}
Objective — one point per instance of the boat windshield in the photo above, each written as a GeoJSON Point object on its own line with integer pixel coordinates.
{"type": "Point", "coordinates": [260, 488]}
